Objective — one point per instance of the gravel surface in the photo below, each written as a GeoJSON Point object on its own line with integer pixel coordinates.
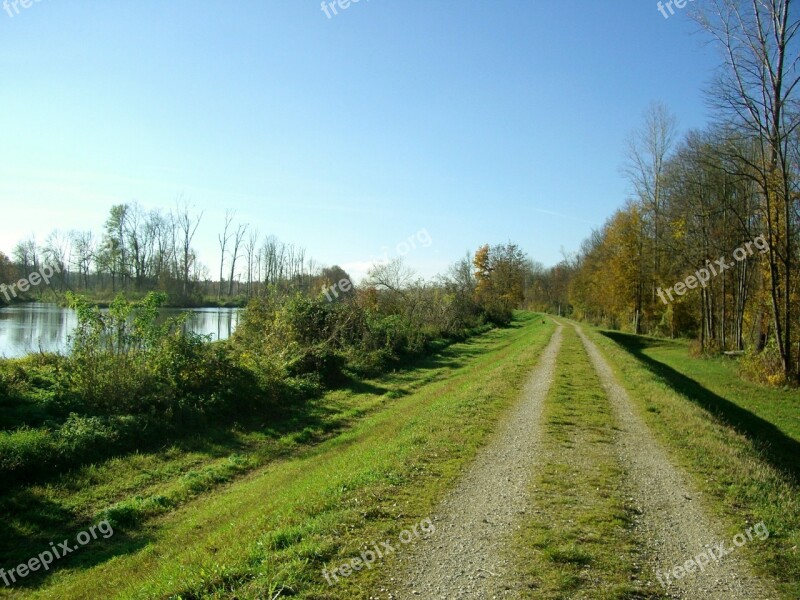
{"type": "Point", "coordinates": [463, 558]}
{"type": "Point", "coordinates": [467, 556]}
{"type": "Point", "coordinates": [671, 520]}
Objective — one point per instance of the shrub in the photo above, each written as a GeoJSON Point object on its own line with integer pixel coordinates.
{"type": "Point", "coordinates": [497, 314]}
{"type": "Point", "coordinates": [320, 360]}
{"type": "Point", "coordinates": [80, 434]}
{"type": "Point", "coordinates": [206, 380]}
{"type": "Point", "coordinates": [111, 366]}
{"type": "Point", "coordinates": [765, 366]}
{"type": "Point", "coordinates": [132, 378]}
{"type": "Point", "coordinates": [300, 336]}
{"type": "Point", "coordinates": [23, 450]}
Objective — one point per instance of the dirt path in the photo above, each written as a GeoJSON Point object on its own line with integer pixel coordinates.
{"type": "Point", "coordinates": [478, 517]}
{"type": "Point", "coordinates": [672, 523]}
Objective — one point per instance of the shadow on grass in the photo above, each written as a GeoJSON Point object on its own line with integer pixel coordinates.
{"type": "Point", "coordinates": [451, 354]}
{"type": "Point", "coordinates": [53, 523]}
{"type": "Point", "coordinates": [777, 448]}
{"type": "Point", "coordinates": [32, 520]}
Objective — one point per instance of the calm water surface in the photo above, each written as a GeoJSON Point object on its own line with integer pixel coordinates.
{"type": "Point", "coordinates": [27, 328]}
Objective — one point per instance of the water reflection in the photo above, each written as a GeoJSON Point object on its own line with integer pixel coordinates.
{"type": "Point", "coordinates": [33, 327]}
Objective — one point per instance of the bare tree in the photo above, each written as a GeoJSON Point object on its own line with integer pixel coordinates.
{"type": "Point", "coordinates": [187, 226]}
{"type": "Point", "coordinates": [83, 243]}
{"type": "Point", "coordinates": [223, 243]}
{"type": "Point", "coordinates": [237, 242]}
{"type": "Point", "coordinates": [647, 152]}
{"type": "Point", "coordinates": [164, 247]}
{"type": "Point", "coordinates": [56, 252]}
{"type": "Point", "coordinates": [756, 95]}
{"type": "Point", "coordinates": [26, 253]}
{"type": "Point", "coordinates": [393, 276]}
{"type": "Point", "coordinates": [140, 239]}
{"type": "Point", "coordinates": [251, 253]}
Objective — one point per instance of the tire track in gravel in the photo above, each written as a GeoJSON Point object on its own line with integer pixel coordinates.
{"type": "Point", "coordinates": [672, 524]}
{"type": "Point", "coordinates": [476, 520]}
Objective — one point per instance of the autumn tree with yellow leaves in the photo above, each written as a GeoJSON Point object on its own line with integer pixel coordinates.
{"type": "Point", "coordinates": [502, 274]}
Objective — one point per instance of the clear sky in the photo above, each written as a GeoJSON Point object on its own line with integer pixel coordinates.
{"type": "Point", "coordinates": [478, 121]}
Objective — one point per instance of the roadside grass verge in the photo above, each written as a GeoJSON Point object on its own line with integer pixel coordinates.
{"type": "Point", "coordinates": [737, 439]}
{"type": "Point", "coordinates": [276, 527]}
{"type": "Point", "coordinates": [579, 542]}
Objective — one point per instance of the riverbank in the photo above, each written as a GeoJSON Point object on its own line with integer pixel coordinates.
{"type": "Point", "coordinates": [104, 300]}
{"type": "Point", "coordinates": [34, 327]}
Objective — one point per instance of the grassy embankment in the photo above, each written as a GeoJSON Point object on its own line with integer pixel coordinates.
{"type": "Point", "coordinates": [739, 440]}
{"type": "Point", "coordinates": [577, 541]}
{"type": "Point", "coordinates": [386, 451]}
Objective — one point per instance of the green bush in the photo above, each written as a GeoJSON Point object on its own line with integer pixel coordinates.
{"type": "Point", "coordinates": [497, 314]}
{"type": "Point", "coordinates": [115, 355]}
{"type": "Point", "coordinates": [320, 360]}
{"type": "Point", "coordinates": [125, 362]}
{"type": "Point", "coordinates": [396, 335]}
{"type": "Point", "coordinates": [302, 336]}
{"type": "Point", "coordinates": [22, 449]}
{"type": "Point", "coordinates": [80, 435]}
{"type": "Point", "coordinates": [765, 366]}
{"type": "Point", "coordinates": [28, 453]}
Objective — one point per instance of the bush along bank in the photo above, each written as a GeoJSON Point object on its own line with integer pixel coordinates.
{"type": "Point", "coordinates": [132, 381]}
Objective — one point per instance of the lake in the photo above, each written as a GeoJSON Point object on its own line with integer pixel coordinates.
{"type": "Point", "coordinates": [30, 327]}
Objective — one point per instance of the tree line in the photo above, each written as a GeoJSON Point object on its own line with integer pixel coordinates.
{"type": "Point", "coordinates": [140, 251]}
{"type": "Point", "coordinates": [702, 196]}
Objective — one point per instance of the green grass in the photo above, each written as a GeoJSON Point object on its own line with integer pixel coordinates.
{"type": "Point", "coordinates": [376, 461]}
{"type": "Point", "coordinates": [737, 439]}
{"type": "Point", "coordinates": [132, 488]}
{"type": "Point", "coordinates": [578, 543]}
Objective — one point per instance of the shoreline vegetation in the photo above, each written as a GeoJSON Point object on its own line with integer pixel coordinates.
{"type": "Point", "coordinates": [135, 385]}
{"type": "Point", "coordinates": [279, 485]}
{"type": "Point", "coordinates": [104, 301]}
{"type": "Point", "coordinates": [131, 379]}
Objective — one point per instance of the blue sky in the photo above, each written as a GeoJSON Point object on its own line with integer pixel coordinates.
{"type": "Point", "coordinates": [476, 121]}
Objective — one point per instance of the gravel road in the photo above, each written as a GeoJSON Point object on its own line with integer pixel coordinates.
{"type": "Point", "coordinates": [478, 517]}
{"type": "Point", "coordinates": [671, 522]}
{"type": "Point", "coordinates": [467, 558]}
